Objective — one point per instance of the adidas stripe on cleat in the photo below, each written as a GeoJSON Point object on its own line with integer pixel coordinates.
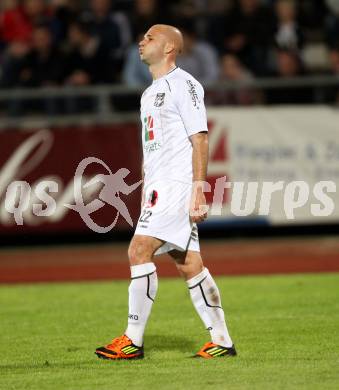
{"type": "Point", "coordinates": [211, 350]}
{"type": "Point", "coordinates": [120, 348]}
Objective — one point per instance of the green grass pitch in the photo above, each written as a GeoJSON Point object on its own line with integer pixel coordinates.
{"type": "Point", "coordinates": [286, 329]}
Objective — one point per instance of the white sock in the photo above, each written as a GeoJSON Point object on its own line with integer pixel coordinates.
{"type": "Point", "coordinates": [206, 300]}
{"type": "Point", "coordinates": [142, 291]}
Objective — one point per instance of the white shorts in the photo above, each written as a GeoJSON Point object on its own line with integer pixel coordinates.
{"type": "Point", "coordinates": [165, 215]}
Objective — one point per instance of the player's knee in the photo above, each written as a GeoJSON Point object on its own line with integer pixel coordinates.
{"type": "Point", "coordinates": [138, 252]}
{"type": "Point", "coordinates": [193, 265]}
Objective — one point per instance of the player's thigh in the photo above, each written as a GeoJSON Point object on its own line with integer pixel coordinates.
{"type": "Point", "coordinates": [142, 248]}
{"type": "Point", "coordinates": [188, 263]}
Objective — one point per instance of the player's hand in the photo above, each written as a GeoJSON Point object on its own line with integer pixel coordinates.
{"type": "Point", "coordinates": [198, 209]}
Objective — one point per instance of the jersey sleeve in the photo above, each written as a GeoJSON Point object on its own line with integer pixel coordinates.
{"type": "Point", "coordinates": [190, 103]}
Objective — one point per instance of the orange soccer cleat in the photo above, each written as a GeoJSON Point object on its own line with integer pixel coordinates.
{"type": "Point", "coordinates": [211, 350]}
{"type": "Point", "coordinates": [120, 348]}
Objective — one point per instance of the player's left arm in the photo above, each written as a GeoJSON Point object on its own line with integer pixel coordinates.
{"type": "Point", "coordinates": [199, 163]}
{"type": "Point", "coordinates": [193, 114]}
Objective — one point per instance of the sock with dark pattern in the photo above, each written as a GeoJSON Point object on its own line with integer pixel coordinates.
{"type": "Point", "coordinates": [206, 300]}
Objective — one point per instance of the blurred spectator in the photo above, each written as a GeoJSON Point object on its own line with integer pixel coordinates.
{"type": "Point", "coordinates": [215, 20]}
{"type": "Point", "coordinates": [135, 72]}
{"type": "Point", "coordinates": [112, 28]}
{"type": "Point", "coordinates": [332, 23]}
{"type": "Point", "coordinates": [87, 62]}
{"type": "Point", "coordinates": [232, 70]}
{"type": "Point", "coordinates": [41, 66]}
{"type": "Point", "coordinates": [15, 24]}
{"type": "Point", "coordinates": [45, 64]}
{"type": "Point", "coordinates": [187, 8]}
{"type": "Point", "coordinates": [334, 61]}
{"type": "Point", "coordinates": [144, 15]}
{"type": "Point", "coordinates": [288, 65]}
{"type": "Point", "coordinates": [287, 31]}
{"type": "Point", "coordinates": [199, 58]}
{"type": "Point", "coordinates": [311, 15]}
{"type": "Point", "coordinates": [248, 28]}
{"type": "Point", "coordinates": [64, 12]}
{"type": "Point", "coordinates": [37, 11]}
{"type": "Point", "coordinates": [14, 64]}
{"type": "Point", "coordinates": [195, 10]}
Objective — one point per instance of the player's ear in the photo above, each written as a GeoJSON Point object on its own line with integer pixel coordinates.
{"type": "Point", "coordinates": [169, 47]}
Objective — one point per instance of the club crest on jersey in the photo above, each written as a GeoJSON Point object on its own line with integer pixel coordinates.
{"type": "Point", "coordinates": [159, 99]}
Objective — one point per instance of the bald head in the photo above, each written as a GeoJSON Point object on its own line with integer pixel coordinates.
{"type": "Point", "coordinates": [161, 45]}
{"type": "Point", "coordinates": [172, 35]}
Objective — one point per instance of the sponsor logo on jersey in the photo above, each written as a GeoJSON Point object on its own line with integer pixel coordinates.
{"type": "Point", "coordinates": [149, 123]}
{"type": "Point", "coordinates": [152, 147]}
{"type": "Point", "coordinates": [159, 99]}
{"type": "Point", "coordinates": [193, 93]}
{"type": "Point", "coordinates": [149, 135]}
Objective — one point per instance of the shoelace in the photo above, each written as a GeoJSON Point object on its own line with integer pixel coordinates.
{"type": "Point", "coordinates": [118, 342]}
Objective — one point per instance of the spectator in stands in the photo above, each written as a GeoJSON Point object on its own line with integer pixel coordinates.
{"type": "Point", "coordinates": [334, 61]}
{"type": "Point", "coordinates": [18, 19]}
{"type": "Point", "coordinates": [311, 16]}
{"type": "Point", "coordinates": [14, 64]}
{"type": "Point", "coordinates": [215, 20]}
{"type": "Point", "coordinates": [112, 28]}
{"type": "Point", "coordinates": [41, 66]}
{"type": "Point", "coordinates": [288, 66]}
{"type": "Point", "coordinates": [146, 13]}
{"type": "Point", "coordinates": [195, 10]}
{"type": "Point", "coordinates": [64, 12]}
{"type": "Point", "coordinates": [135, 72]}
{"type": "Point", "coordinates": [332, 23]}
{"type": "Point", "coordinates": [15, 25]}
{"type": "Point", "coordinates": [37, 11]}
{"type": "Point", "coordinates": [248, 28]}
{"type": "Point", "coordinates": [44, 63]}
{"type": "Point", "coordinates": [288, 34]}
{"type": "Point", "coordinates": [87, 62]}
{"type": "Point", "coordinates": [187, 8]}
{"type": "Point", "coordinates": [199, 58]}
{"type": "Point", "coordinates": [232, 70]}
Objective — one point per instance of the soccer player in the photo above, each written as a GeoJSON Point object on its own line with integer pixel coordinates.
{"type": "Point", "coordinates": [175, 148]}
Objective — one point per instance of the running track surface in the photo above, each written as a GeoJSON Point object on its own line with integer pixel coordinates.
{"type": "Point", "coordinates": [109, 261]}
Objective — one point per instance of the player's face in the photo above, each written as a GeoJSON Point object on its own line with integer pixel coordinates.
{"type": "Point", "coordinates": [152, 46]}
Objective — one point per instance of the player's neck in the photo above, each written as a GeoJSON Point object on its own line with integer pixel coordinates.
{"type": "Point", "coordinates": [161, 69]}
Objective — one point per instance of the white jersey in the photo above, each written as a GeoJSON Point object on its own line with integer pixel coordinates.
{"type": "Point", "coordinates": [172, 109]}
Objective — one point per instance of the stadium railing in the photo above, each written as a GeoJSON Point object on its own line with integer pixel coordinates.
{"type": "Point", "coordinates": [108, 106]}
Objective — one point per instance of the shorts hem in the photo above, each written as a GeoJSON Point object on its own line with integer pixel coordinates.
{"type": "Point", "coordinates": [171, 245]}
